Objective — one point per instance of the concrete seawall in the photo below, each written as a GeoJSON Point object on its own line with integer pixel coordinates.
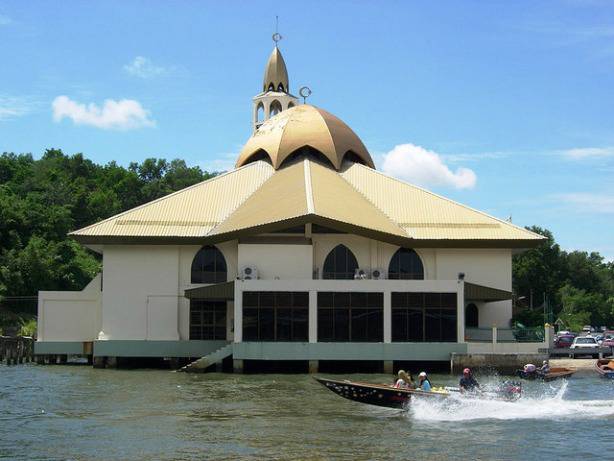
{"type": "Point", "coordinates": [506, 363]}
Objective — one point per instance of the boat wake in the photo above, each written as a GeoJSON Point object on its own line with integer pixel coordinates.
{"type": "Point", "coordinates": [551, 405]}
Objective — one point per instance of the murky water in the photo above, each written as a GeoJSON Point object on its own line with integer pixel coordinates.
{"type": "Point", "coordinates": [76, 412]}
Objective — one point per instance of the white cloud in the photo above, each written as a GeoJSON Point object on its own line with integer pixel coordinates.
{"type": "Point", "coordinates": [589, 202]}
{"type": "Point", "coordinates": [142, 67]}
{"type": "Point", "coordinates": [125, 114]}
{"type": "Point", "coordinates": [582, 153]}
{"type": "Point", "coordinates": [426, 168]}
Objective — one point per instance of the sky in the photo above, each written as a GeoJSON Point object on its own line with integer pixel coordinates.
{"type": "Point", "coordinates": [507, 107]}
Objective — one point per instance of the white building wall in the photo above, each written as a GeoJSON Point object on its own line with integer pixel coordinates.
{"type": "Point", "coordinates": [489, 267]}
{"type": "Point", "coordinates": [140, 292]}
{"type": "Point", "coordinates": [70, 315]}
{"type": "Point", "coordinates": [277, 261]}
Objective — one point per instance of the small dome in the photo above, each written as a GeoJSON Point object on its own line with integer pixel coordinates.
{"type": "Point", "coordinates": [276, 74]}
{"type": "Point", "coordinates": [305, 126]}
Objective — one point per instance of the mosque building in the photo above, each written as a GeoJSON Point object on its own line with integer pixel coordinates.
{"type": "Point", "coordinates": [304, 254]}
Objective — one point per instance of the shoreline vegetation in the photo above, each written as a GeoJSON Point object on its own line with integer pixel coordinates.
{"type": "Point", "coordinates": [42, 200]}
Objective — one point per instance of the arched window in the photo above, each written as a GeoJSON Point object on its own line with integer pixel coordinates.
{"type": "Point", "coordinates": [275, 108]}
{"type": "Point", "coordinates": [340, 264]}
{"type": "Point", "coordinates": [280, 88]}
{"type": "Point", "coordinates": [209, 266]}
{"type": "Point", "coordinates": [271, 87]}
{"type": "Point", "coordinates": [290, 104]}
{"type": "Point", "coordinates": [406, 265]}
{"type": "Point", "coordinates": [471, 316]}
{"type": "Point", "coordinates": [260, 112]}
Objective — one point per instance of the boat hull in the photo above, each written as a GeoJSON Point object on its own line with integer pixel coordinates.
{"type": "Point", "coordinates": [602, 367]}
{"type": "Point", "coordinates": [375, 394]}
{"type": "Point", "coordinates": [555, 373]}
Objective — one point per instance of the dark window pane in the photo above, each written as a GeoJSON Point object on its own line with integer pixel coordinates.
{"type": "Point", "coordinates": [448, 300]}
{"type": "Point", "coordinates": [360, 324]}
{"type": "Point", "coordinates": [267, 299]}
{"type": "Point", "coordinates": [340, 264]}
{"type": "Point", "coordinates": [398, 300]}
{"type": "Point", "coordinates": [341, 324]}
{"type": "Point", "coordinates": [284, 324]}
{"type": "Point", "coordinates": [448, 325]}
{"type": "Point", "coordinates": [358, 299]}
{"type": "Point", "coordinates": [209, 266]}
{"type": "Point", "coordinates": [415, 300]}
{"type": "Point", "coordinates": [432, 325]}
{"type": "Point", "coordinates": [250, 324]}
{"type": "Point", "coordinates": [325, 325]}
{"type": "Point", "coordinates": [415, 325]}
{"type": "Point", "coordinates": [406, 264]}
{"type": "Point", "coordinates": [432, 300]}
{"type": "Point", "coordinates": [399, 325]}
{"type": "Point", "coordinates": [326, 299]}
{"type": "Point", "coordinates": [283, 299]}
{"type": "Point", "coordinates": [266, 317]}
{"type": "Point", "coordinates": [250, 299]}
{"type": "Point", "coordinates": [342, 300]}
{"type": "Point", "coordinates": [300, 299]}
{"type": "Point", "coordinates": [375, 325]}
{"type": "Point", "coordinates": [300, 324]}
{"type": "Point", "coordinates": [375, 299]}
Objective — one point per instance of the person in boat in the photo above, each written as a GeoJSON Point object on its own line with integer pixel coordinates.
{"type": "Point", "coordinates": [468, 382]}
{"type": "Point", "coordinates": [424, 384]}
{"type": "Point", "coordinates": [545, 368]}
{"type": "Point", "coordinates": [404, 381]}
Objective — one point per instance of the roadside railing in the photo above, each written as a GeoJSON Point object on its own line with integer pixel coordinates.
{"type": "Point", "coordinates": [505, 335]}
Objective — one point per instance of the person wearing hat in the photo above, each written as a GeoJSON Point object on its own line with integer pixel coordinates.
{"type": "Point", "coordinates": [424, 383]}
{"type": "Point", "coordinates": [468, 382]}
{"type": "Point", "coordinates": [405, 381]}
{"type": "Point", "coordinates": [545, 368]}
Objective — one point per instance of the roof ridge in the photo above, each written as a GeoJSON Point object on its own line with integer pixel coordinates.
{"type": "Point", "coordinates": [447, 199]}
{"type": "Point", "coordinates": [159, 199]}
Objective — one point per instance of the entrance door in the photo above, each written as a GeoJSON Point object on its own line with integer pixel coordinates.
{"type": "Point", "coordinates": [207, 319]}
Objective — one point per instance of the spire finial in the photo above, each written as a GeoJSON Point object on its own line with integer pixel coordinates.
{"type": "Point", "coordinates": [277, 36]}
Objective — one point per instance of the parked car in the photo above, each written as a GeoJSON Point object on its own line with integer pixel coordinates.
{"type": "Point", "coordinates": [563, 340]}
{"type": "Point", "coordinates": [608, 340]}
{"type": "Point", "coordinates": [585, 343]}
{"type": "Point", "coordinates": [587, 329]}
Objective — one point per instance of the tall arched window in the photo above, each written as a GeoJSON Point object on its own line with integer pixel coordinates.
{"type": "Point", "coordinates": [406, 265]}
{"type": "Point", "coordinates": [260, 112]}
{"type": "Point", "coordinates": [340, 264]}
{"type": "Point", "coordinates": [209, 266]}
{"type": "Point", "coordinates": [275, 108]}
{"type": "Point", "coordinates": [471, 316]}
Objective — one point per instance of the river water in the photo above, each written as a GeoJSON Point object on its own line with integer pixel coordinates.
{"type": "Point", "coordinates": [79, 413]}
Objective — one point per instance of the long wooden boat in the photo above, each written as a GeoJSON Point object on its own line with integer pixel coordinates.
{"type": "Point", "coordinates": [383, 395]}
{"type": "Point", "coordinates": [554, 373]}
{"type": "Point", "coordinates": [605, 367]}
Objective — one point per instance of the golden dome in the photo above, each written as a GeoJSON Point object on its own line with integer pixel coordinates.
{"type": "Point", "coordinates": [304, 126]}
{"type": "Point", "coordinates": [276, 74]}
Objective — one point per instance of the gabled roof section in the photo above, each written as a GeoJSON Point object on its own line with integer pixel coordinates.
{"type": "Point", "coordinates": [191, 212]}
{"type": "Point", "coordinates": [427, 216]}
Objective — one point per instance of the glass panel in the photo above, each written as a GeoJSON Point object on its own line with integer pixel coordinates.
{"type": "Point", "coordinates": [339, 264]}
{"type": "Point", "coordinates": [375, 325]}
{"type": "Point", "coordinates": [415, 325]}
{"type": "Point", "coordinates": [284, 320]}
{"type": "Point", "coordinates": [300, 299]}
{"type": "Point", "coordinates": [266, 317]}
{"type": "Point", "coordinates": [448, 325]}
{"type": "Point", "coordinates": [360, 324]}
{"type": "Point", "coordinates": [250, 324]}
{"type": "Point", "coordinates": [325, 324]}
{"type": "Point", "coordinates": [208, 266]}
{"type": "Point", "coordinates": [300, 324]}
{"type": "Point", "coordinates": [341, 324]}
{"type": "Point", "coordinates": [432, 325]}
{"type": "Point", "coordinates": [399, 325]}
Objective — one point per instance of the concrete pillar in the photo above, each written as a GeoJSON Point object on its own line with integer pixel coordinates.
{"type": "Point", "coordinates": [237, 366]}
{"type": "Point", "coordinates": [549, 336]}
{"type": "Point", "coordinates": [238, 309]}
{"type": "Point", "coordinates": [388, 367]}
{"type": "Point", "coordinates": [460, 312]}
{"type": "Point", "coordinates": [494, 338]}
{"type": "Point", "coordinates": [314, 366]}
{"type": "Point", "coordinates": [313, 316]}
{"type": "Point", "coordinates": [99, 361]}
{"type": "Point", "coordinates": [387, 317]}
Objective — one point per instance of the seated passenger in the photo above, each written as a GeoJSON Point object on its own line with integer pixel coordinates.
{"type": "Point", "coordinates": [468, 382]}
{"type": "Point", "coordinates": [424, 383]}
{"type": "Point", "coordinates": [405, 381]}
{"type": "Point", "coordinates": [545, 368]}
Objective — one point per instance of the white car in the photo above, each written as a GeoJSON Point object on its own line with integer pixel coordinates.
{"type": "Point", "coordinates": [583, 343]}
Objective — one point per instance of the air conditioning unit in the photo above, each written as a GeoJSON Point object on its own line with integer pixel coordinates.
{"type": "Point", "coordinates": [378, 274]}
{"type": "Point", "coordinates": [360, 274]}
{"type": "Point", "coordinates": [249, 273]}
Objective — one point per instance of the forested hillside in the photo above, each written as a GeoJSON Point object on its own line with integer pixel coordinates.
{"type": "Point", "coordinates": [42, 200]}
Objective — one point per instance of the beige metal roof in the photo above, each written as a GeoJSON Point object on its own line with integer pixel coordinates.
{"type": "Point", "coordinates": [256, 199]}
{"type": "Point", "coordinates": [191, 212]}
{"type": "Point", "coordinates": [425, 215]}
{"type": "Point", "coordinates": [276, 72]}
{"type": "Point", "coordinates": [304, 126]}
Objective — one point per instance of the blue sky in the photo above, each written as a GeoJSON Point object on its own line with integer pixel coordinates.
{"type": "Point", "coordinates": [505, 106]}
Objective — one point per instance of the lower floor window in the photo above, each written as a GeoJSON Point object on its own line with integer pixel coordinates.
{"type": "Point", "coordinates": [207, 319]}
{"type": "Point", "coordinates": [354, 317]}
{"type": "Point", "coordinates": [424, 317]}
{"type": "Point", "coordinates": [275, 316]}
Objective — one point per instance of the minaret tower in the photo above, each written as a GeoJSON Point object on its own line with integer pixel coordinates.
{"type": "Point", "coordinates": [275, 96]}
